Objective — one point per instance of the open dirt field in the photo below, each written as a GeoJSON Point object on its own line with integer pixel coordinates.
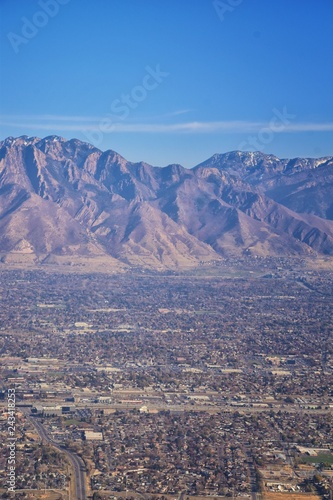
{"type": "Point", "coordinates": [290, 496]}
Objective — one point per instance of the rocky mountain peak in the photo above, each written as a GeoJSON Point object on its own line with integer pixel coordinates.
{"type": "Point", "coordinates": [67, 198]}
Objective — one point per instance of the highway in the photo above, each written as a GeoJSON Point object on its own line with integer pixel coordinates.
{"type": "Point", "coordinates": [76, 461]}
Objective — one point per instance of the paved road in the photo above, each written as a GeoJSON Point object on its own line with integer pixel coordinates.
{"type": "Point", "coordinates": [252, 471]}
{"type": "Point", "coordinates": [76, 461]}
{"type": "Point", "coordinates": [186, 407]}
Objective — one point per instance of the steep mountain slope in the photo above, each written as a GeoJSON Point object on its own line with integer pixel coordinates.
{"type": "Point", "coordinates": [305, 185]}
{"type": "Point", "coordinates": [60, 197]}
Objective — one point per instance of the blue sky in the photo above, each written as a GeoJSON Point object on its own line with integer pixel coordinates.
{"type": "Point", "coordinates": [170, 81]}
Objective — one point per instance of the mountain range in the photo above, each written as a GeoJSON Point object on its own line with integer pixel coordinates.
{"type": "Point", "coordinates": [67, 200]}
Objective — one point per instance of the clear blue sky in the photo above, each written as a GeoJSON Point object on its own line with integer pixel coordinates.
{"type": "Point", "coordinates": [225, 75]}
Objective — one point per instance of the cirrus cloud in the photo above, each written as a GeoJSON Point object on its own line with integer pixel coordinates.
{"type": "Point", "coordinates": [58, 123]}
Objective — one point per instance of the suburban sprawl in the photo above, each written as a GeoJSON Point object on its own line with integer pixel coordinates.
{"type": "Point", "coordinates": [212, 383]}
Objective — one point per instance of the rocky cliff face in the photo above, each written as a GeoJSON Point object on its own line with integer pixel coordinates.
{"type": "Point", "coordinates": [60, 197]}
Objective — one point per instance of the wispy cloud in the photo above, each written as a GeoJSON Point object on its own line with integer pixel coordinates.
{"type": "Point", "coordinates": [178, 112]}
{"type": "Point", "coordinates": [310, 127]}
{"type": "Point", "coordinates": [95, 124]}
{"type": "Point", "coordinates": [82, 118]}
{"type": "Point", "coordinates": [58, 123]}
